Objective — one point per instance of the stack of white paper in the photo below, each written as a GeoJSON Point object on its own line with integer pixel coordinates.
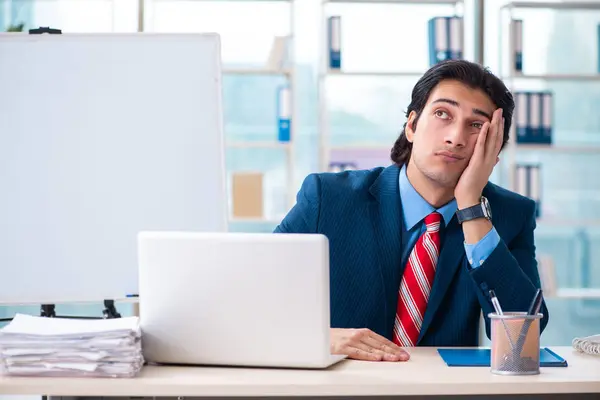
{"type": "Point", "coordinates": [40, 346]}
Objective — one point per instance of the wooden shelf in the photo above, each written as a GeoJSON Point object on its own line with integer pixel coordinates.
{"type": "Point", "coordinates": [551, 148]}
{"type": "Point", "coordinates": [238, 1]}
{"type": "Point", "coordinates": [578, 293]}
{"type": "Point", "coordinates": [254, 71]}
{"type": "Point", "coordinates": [391, 74]}
{"type": "Point", "coordinates": [567, 222]}
{"type": "Point", "coordinates": [566, 5]}
{"type": "Point", "coordinates": [554, 77]}
{"type": "Point", "coordinates": [354, 147]}
{"type": "Point", "coordinates": [414, 2]}
{"type": "Point", "coordinates": [558, 148]}
{"type": "Point", "coordinates": [259, 145]}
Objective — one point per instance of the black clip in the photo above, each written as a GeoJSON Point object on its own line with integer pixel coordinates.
{"type": "Point", "coordinates": [110, 311]}
{"type": "Point", "coordinates": [48, 310]}
{"type": "Point", "coordinates": [44, 29]}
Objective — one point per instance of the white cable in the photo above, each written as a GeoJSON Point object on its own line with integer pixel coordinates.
{"type": "Point", "coordinates": [588, 345]}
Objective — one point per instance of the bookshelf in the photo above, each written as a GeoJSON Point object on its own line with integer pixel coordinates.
{"type": "Point", "coordinates": [516, 79]}
{"type": "Point", "coordinates": [325, 146]}
{"type": "Point", "coordinates": [285, 69]}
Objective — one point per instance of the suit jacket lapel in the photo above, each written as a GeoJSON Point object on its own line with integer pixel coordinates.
{"type": "Point", "coordinates": [450, 259]}
{"type": "Point", "coordinates": [386, 215]}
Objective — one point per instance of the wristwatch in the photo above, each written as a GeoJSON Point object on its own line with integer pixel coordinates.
{"type": "Point", "coordinates": [481, 210]}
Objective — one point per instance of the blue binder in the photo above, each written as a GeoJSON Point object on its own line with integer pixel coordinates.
{"type": "Point", "coordinates": [522, 116]}
{"type": "Point", "coordinates": [334, 42]}
{"type": "Point", "coordinates": [445, 39]}
{"type": "Point", "coordinates": [439, 41]}
{"type": "Point", "coordinates": [528, 183]}
{"type": "Point", "coordinates": [517, 37]}
{"type": "Point", "coordinates": [534, 116]}
{"type": "Point", "coordinates": [534, 186]}
{"type": "Point", "coordinates": [482, 358]}
{"type": "Point", "coordinates": [284, 113]}
{"type": "Point", "coordinates": [547, 117]}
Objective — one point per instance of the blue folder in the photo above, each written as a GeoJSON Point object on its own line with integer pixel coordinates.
{"type": "Point", "coordinates": [482, 357]}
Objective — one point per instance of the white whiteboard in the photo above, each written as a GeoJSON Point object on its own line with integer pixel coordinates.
{"type": "Point", "coordinates": [102, 136]}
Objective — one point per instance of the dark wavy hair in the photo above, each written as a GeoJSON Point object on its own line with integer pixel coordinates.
{"type": "Point", "coordinates": [466, 72]}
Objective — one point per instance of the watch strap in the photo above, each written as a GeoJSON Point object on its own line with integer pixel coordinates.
{"type": "Point", "coordinates": [470, 213]}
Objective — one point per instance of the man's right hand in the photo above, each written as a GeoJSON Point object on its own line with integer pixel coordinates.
{"type": "Point", "coordinates": [364, 344]}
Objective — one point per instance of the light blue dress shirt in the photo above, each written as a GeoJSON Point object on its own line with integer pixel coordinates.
{"type": "Point", "coordinates": [415, 209]}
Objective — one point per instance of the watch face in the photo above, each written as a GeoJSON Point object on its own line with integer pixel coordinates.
{"type": "Point", "coordinates": [487, 210]}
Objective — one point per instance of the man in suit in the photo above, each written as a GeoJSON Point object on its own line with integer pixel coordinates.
{"type": "Point", "coordinates": [416, 247]}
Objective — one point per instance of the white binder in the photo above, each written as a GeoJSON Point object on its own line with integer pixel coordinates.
{"type": "Point", "coordinates": [547, 116]}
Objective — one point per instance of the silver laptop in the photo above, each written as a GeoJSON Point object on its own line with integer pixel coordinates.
{"type": "Point", "coordinates": [239, 299]}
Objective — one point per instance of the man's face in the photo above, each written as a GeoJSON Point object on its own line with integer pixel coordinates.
{"type": "Point", "coordinates": [447, 131]}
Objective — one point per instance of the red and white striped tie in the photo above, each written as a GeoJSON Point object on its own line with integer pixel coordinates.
{"type": "Point", "coordinates": [416, 283]}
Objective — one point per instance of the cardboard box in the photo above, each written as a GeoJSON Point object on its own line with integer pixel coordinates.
{"type": "Point", "coordinates": [247, 194]}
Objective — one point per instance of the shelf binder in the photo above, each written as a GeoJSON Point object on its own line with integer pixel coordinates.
{"type": "Point", "coordinates": [535, 187]}
{"type": "Point", "coordinates": [445, 39]}
{"type": "Point", "coordinates": [516, 31]}
{"type": "Point", "coordinates": [534, 117]}
{"type": "Point", "coordinates": [547, 117]}
{"type": "Point", "coordinates": [521, 179]}
{"type": "Point", "coordinates": [456, 38]}
{"type": "Point", "coordinates": [535, 113]}
{"type": "Point", "coordinates": [528, 183]}
{"type": "Point", "coordinates": [334, 41]}
{"type": "Point", "coordinates": [547, 272]}
{"type": "Point", "coordinates": [284, 113]}
{"type": "Point", "coordinates": [521, 116]}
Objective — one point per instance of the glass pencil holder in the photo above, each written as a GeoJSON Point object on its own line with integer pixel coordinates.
{"type": "Point", "coordinates": [515, 343]}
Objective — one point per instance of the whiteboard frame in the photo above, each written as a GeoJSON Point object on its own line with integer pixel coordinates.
{"type": "Point", "coordinates": [57, 298]}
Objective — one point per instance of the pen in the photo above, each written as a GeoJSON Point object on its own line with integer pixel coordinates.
{"type": "Point", "coordinates": [534, 308]}
{"type": "Point", "coordinates": [536, 303]}
{"type": "Point", "coordinates": [498, 309]}
{"type": "Point", "coordinates": [495, 302]}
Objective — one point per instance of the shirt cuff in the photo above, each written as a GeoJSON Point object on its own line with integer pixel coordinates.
{"type": "Point", "coordinates": [477, 253]}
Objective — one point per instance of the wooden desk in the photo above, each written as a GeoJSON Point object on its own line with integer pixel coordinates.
{"type": "Point", "coordinates": [425, 374]}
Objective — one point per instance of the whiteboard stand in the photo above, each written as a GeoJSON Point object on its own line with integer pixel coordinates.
{"type": "Point", "coordinates": [49, 310]}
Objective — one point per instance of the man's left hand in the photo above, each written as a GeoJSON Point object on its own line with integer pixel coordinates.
{"type": "Point", "coordinates": [470, 186]}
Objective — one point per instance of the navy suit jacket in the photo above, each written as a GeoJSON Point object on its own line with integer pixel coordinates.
{"type": "Point", "coordinates": [360, 212]}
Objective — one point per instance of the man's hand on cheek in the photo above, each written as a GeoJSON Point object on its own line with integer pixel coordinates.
{"type": "Point", "coordinates": [485, 156]}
